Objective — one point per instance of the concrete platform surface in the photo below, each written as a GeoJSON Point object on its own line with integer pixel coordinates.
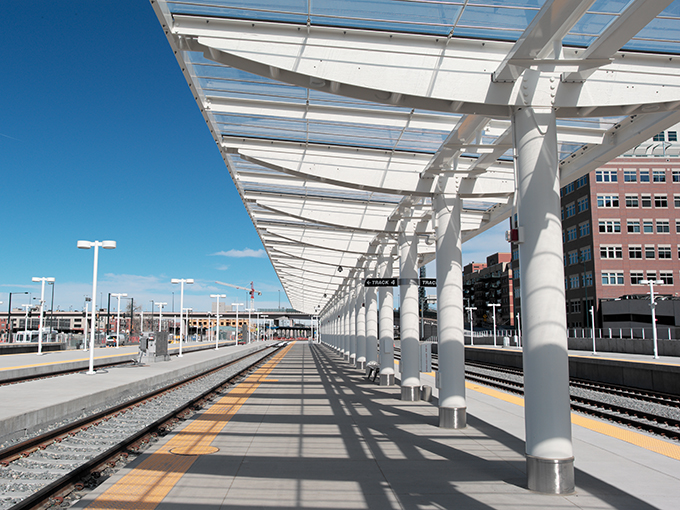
{"type": "Point", "coordinates": [31, 406]}
{"type": "Point", "coordinates": [309, 431]}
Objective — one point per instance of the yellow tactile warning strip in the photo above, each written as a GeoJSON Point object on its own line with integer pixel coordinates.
{"type": "Point", "coordinates": [629, 436]}
{"type": "Point", "coordinates": [62, 362]}
{"type": "Point", "coordinates": [146, 485]}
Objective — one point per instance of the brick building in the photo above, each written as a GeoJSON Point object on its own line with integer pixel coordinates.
{"type": "Point", "coordinates": [620, 225]}
{"type": "Point", "coordinates": [490, 283]}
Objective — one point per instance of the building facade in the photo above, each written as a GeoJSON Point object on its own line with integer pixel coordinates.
{"type": "Point", "coordinates": [487, 283]}
{"type": "Point", "coordinates": [620, 226]}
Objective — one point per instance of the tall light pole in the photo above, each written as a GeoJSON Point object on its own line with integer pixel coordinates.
{"type": "Point", "coordinates": [249, 310]}
{"type": "Point", "coordinates": [42, 279]}
{"type": "Point", "coordinates": [118, 318]}
{"type": "Point", "coordinates": [186, 320]}
{"type": "Point", "coordinates": [87, 301]}
{"type": "Point", "coordinates": [9, 315]}
{"type": "Point", "coordinates": [28, 307]}
{"type": "Point", "coordinates": [652, 305]}
{"type": "Point", "coordinates": [237, 305]}
{"type": "Point", "coordinates": [160, 315]}
{"type": "Point", "coordinates": [217, 327]}
{"type": "Point", "coordinates": [470, 309]}
{"type": "Point", "coordinates": [181, 281]}
{"type": "Point", "coordinates": [86, 245]}
{"type": "Point", "coordinates": [51, 310]}
{"type": "Point", "coordinates": [493, 307]}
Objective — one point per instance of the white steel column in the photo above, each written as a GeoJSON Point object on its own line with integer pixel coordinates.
{"type": "Point", "coordinates": [386, 320]}
{"type": "Point", "coordinates": [351, 302]}
{"type": "Point", "coordinates": [550, 461]}
{"type": "Point", "coordinates": [451, 339]}
{"type": "Point", "coordinates": [361, 327]}
{"type": "Point", "coordinates": [371, 317]}
{"type": "Point", "coordinates": [408, 315]}
{"type": "Point", "coordinates": [345, 323]}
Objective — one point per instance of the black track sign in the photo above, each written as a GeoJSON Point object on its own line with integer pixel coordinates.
{"type": "Point", "coordinates": [380, 282]}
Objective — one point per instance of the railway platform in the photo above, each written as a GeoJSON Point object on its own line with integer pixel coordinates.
{"type": "Point", "coordinates": [40, 403]}
{"type": "Point", "coordinates": [307, 430]}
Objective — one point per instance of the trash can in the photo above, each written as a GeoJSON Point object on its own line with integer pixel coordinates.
{"type": "Point", "coordinates": [506, 341]}
{"type": "Point", "coordinates": [426, 393]}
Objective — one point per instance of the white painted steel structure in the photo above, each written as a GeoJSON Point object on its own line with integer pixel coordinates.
{"type": "Point", "coordinates": [345, 125]}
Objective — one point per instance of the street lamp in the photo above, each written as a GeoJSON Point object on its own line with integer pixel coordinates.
{"type": "Point", "coordinates": [181, 281]}
{"type": "Point", "coordinates": [217, 328]}
{"type": "Point", "coordinates": [51, 310]}
{"type": "Point", "coordinates": [186, 321]}
{"type": "Point", "coordinates": [652, 305]}
{"type": "Point", "coordinates": [28, 307]}
{"type": "Point", "coordinates": [42, 279]}
{"type": "Point", "coordinates": [86, 245]}
{"type": "Point", "coordinates": [9, 316]}
{"type": "Point", "coordinates": [470, 309]}
{"type": "Point", "coordinates": [118, 318]}
{"type": "Point", "coordinates": [237, 305]}
{"type": "Point", "coordinates": [160, 315]}
{"type": "Point", "coordinates": [87, 301]}
{"type": "Point", "coordinates": [493, 307]}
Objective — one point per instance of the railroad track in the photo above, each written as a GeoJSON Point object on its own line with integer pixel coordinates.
{"type": "Point", "coordinates": [41, 471]}
{"type": "Point", "coordinates": [640, 409]}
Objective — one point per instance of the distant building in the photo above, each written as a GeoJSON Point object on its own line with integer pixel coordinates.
{"type": "Point", "coordinates": [620, 225]}
{"type": "Point", "coordinates": [490, 282]}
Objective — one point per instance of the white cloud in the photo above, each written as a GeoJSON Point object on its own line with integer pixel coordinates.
{"type": "Point", "coordinates": [257, 254]}
{"type": "Point", "coordinates": [222, 267]}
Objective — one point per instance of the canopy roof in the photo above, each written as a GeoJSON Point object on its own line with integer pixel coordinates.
{"type": "Point", "coordinates": [336, 119]}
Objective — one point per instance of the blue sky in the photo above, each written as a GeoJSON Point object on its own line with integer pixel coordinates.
{"type": "Point", "coordinates": [100, 139]}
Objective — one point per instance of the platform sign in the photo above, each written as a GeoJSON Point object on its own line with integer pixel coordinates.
{"type": "Point", "coordinates": [380, 282]}
{"type": "Point", "coordinates": [426, 357]}
{"type": "Point", "coordinates": [428, 282]}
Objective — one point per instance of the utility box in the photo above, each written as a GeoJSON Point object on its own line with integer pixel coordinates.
{"type": "Point", "coordinates": [426, 357]}
{"type": "Point", "coordinates": [161, 344]}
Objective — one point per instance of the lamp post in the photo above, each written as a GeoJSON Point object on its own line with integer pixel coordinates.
{"type": "Point", "coordinates": [118, 318]}
{"type": "Point", "coordinates": [186, 322]}
{"type": "Point", "coordinates": [470, 309]}
{"type": "Point", "coordinates": [493, 307]}
{"type": "Point", "coordinates": [86, 245]}
{"type": "Point", "coordinates": [9, 316]}
{"type": "Point", "coordinates": [217, 327]}
{"type": "Point", "coordinates": [51, 310]}
{"type": "Point", "coordinates": [249, 311]}
{"type": "Point", "coordinates": [237, 305]}
{"type": "Point", "coordinates": [181, 281]}
{"type": "Point", "coordinates": [160, 315]}
{"type": "Point", "coordinates": [28, 307]}
{"type": "Point", "coordinates": [652, 305]}
{"type": "Point", "coordinates": [87, 301]}
{"type": "Point", "coordinates": [42, 279]}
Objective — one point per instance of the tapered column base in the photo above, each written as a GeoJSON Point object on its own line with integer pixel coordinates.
{"type": "Point", "coordinates": [386, 379]}
{"type": "Point", "coordinates": [452, 417]}
{"type": "Point", "coordinates": [410, 393]}
{"type": "Point", "coordinates": [550, 476]}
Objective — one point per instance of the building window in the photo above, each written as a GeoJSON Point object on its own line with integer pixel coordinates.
{"type": "Point", "coordinates": [635, 252]}
{"type": "Point", "coordinates": [573, 257]}
{"type": "Point", "coordinates": [663, 226]}
{"type": "Point", "coordinates": [646, 200]}
{"type": "Point", "coordinates": [650, 252]}
{"type": "Point", "coordinates": [606, 176]}
{"type": "Point", "coordinates": [658, 138]}
{"type": "Point", "coordinates": [677, 226]}
{"type": "Point", "coordinates": [650, 275]}
{"type": "Point", "coordinates": [633, 226]}
{"type": "Point", "coordinates": [644, 175]}
{"type": "Point", "coordinates": [607, 200]}
{"type": "Point", "coordinates": [571, 234]}
{"type": "Point", "coordinates": [660, 201]}
{"type": "Point", "coordinates": [583, 204]}
{"type": "Point", "coordinates": [664, 252]}
{"type": "Point", "coordinates": [570, 210]}
{"type": "Point", "coordinates": [672, 136]}
{"type": "Point", "coordinates": [648, 226]}
{"type": "Point", "coordinates": [676, 200]}
{"type": "Point", "coordinates": [609, 226]}
{"type": "Point", "coordinates": [612, 278]}
{"type": "Point", "coordinates": [676, 175]}
{"type": "Point", "coordinates": [573, 281]}
{"type": "Point", "coordinates": [632, 201]}
{"type": "Point", "coordinates": [582, 181]}
{"type": "Point", "coordinates": [636, 277]}
{"type": "Point", "coordinates": [611, 252]}
{"type": "Point", "coordinates": [584, 229]}
{"type": "Point", "coordinates": [585, 254]}
{"type": "Point", "coordinates": [568, 189]}
{"type": "Point", "coordinates": [587, 279]}
{"type": "Point", "coordinates": [659, 175]}
{"type": "Point", "coordinates": [575, 306]}
{"type": "Point", "coordinates": [515, 254]}
{"type": "Point", "coordinates": [630, 176]}
{"type": "Point", "coordinates": [666, 277]}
